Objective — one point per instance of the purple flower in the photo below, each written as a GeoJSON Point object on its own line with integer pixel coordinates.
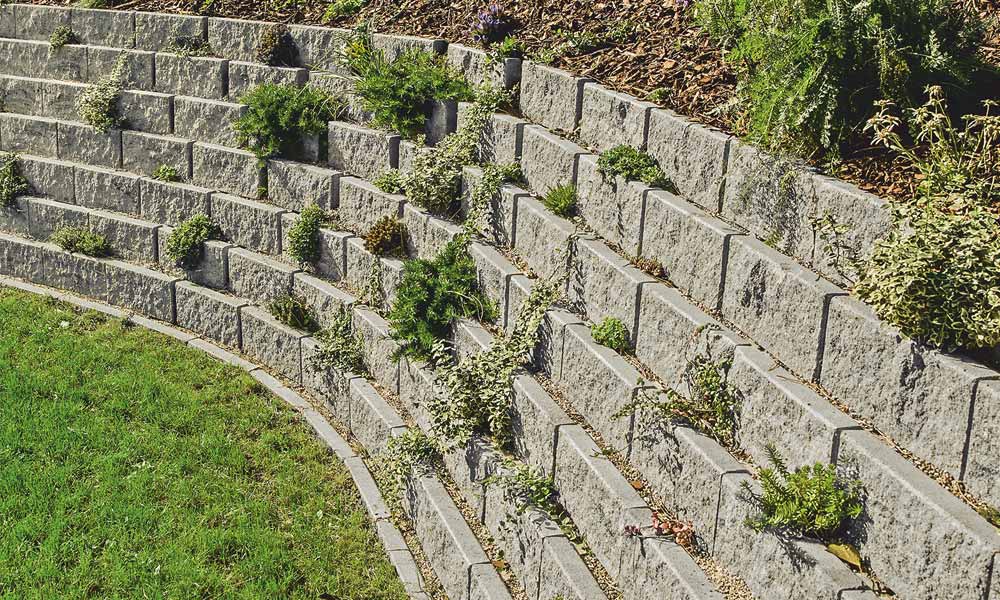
{"type": "Point", "coordinates": [488, 23]}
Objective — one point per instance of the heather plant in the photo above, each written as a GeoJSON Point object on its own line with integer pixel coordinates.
{"type": "Point", "coordinates": [185, 246]}
{"type": "Point", "coordinates": [293, 310]}
{"type": "Point", "coordinates": [277, 48]}
{"type": "Point", "coordinates": [561, 200]}
{"type": "Point", "coordinates": [98, 104]}
{"type": "Point", "coordinates": [12, 184]}
{"type": "Point", "coordinates": [81, 240]}
{"type": "Point", "coordinates": [612, 333]}
{"type": "Point", "coordinates": [304, 235]}
{"type": "Point", "coordinates": [386, 238]}
{"type": "Point", "coordinates": [340, 347]}
{"type": "Point", "coordinates": [188, 45]}
{"type": "Point", "coordinates": [61, 36]}
{"type": "Point", "coordinates": [279, 117]}
{"type": "Point", "coordinates": [633, 165]}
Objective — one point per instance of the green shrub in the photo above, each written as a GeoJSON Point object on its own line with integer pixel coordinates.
{"type": "Point", "coordinates": [278, 117]}
{"type": "Point", "coordinates": [432, 295]}
{"type": "Point", "coordinates": [98, 104]}
{"type": "Point", "coordinates": [294, 311]}
{"type": "Point", "coordinates": [340, 9]}
{"type": "Point", "coordinates": [61, 36]}
{"type": "Point", "coordinates": [390, 182]}
{"type": "Point", "coordinates": [561, 200]}
{"type": "Point", "coordinates": [387, 237]}
{"type": "Point", "coordinates": [340, 347]}
{"type": "Point", "coordinates": [82, 240]}
{"type": "Point", "coordinates": [611, 332]}
{"type": "Point", "coordinates": [809, 72]}
{"type": "Point", "coordinates": [277, 48]}
{"type": "Point", "coordinates": [12, 184]}
{"type": "Point", "coordinates": [166, 173]}
{"type": "Point", "coordinates": [633, 165]}
{"type": "Point", "coordinates": [303, 237]}
{"type": "Point", "coordinates": [189, 45]}
{"type": "Point", "coordinates": [185, 246]}
{"type": "Point", "coordinates": [398, 92]}
{"type": "Point", "coordinates": [811, 501]}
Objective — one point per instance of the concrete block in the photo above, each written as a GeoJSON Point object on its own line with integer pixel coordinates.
{"type": "Point", "coordinates": [144, 153]}
{"type": "Point", "coordinates": [319, 47]}
{"type": "Point", "coordinates": [83, 144]}
{"type": "Point", "coordinates": [372, 418]}
{"type": "Point", "coordinates": [603, 284]}
{"type": "Point", "coordinates": [199, 76]}
{"type": "Point", "coordinates": [535, 417]}
{"type": "Point", "coordinates": [58, 100]}
{"type": "Point", "coordinates": [48, 177]}
{"type": "Point", "coordinates": [485, 583]}
{"type": "Point", "coordinates": [563, 574]}
{"type": "Point", "coordinates": [171, 203]}
{"type": "Point", "coordinates": [691, 155]}
{"type": "Point", "coordinates": [426, 235]}
{"type": "Point", "coordinates": [470, 467]}
{"type": "Point", "coordinates": [75, 273]}
{"type": "Point", "coordinates": [478, 68]}
{"type": "Point", "coordinates": [368, 274]}
{"type": "Point", "coordinates": [132, 239]}
{"type": "Point", "coordinates": [611, 207]}
{"type": "Point", "coordinates": [610, 119]}
{"type": "Point", "coordinates": [236, 39]}
{"type": "Point", "coordinates": [247, 223]}
{"type": "Point", "coordinates": [111, 28]}
{"type": "Point", "coordinates": [502, 136]}
{"type": "Point", "coordinates": [139, 71]}
{"type": "Point", "coordinates": [519, 531]}
{"type": "Point", "coordinates": [107, 189]}
{"type": "Point", "coordinates": [23, 96]}
{"type": "Point", "coordinates": [294, 185]}
{"type": "Point", "coordinates": [45, 217]}
{"type": "Point", "coordinates": [498, 225]}
{"type": "Point", "coordinates": [157, 31]}
{"type": "Point", "coordinates": [518, 290]}
{"type": "Point", "coordinates": [542, 238]}
{"type": "Point", "coordinates": [659, 568]}
{"type": "Point", "coordinates": [271, 342]}
{"type": "Point", "coordinates": [142, 290]}
{"type": "Point", "coordinates": [548, 353]}
{"type": "Point", "coordinates": [245, 76]}
{"type": "Point", "coordinates": [982, 472]}
{"type": "Point", "coordinates": [326, 383]}
{"type": "Point", "coordinates": [551, 97]}
{"type": "Point", "coordinates": [361, 151]}
{"type": "Point", "coordinates": [208, 121]}
{"type": "Point", "coordinates": [36, 22]}
{"type": "Point", "coordinates": [31, 135]}
{"type": "Point", "coordinates": [493, 273]}
{"type": "Point", "coordinates": [368, 489]}
{"type": "Point", "coordinates": [547, 160]}
{"type": "Point", "coordinates": [417, 389]}
{"type": "Point", "coordinates": [332, 261]}
{"type": "Point", "coordinates": [8, 18]}
{"type": "Point", "coordinates": [257, 277]}
{"type": "Point", "coordinates": [326, 300]}
{"type": "Point", "coordinates": [380, 349]}
{"type": "Point", "coordinates": [209, 313]}
{"type": "Point", "coordinates": [14, 218]}
{"type": "Point", "coordinates": [394, 45]}
{"type": "Point", "coordinates": [213, 268]}
{"type": "Point", "coordinates": [146, 111]}
{"type": "Point", "coordinates": [23, 258]}
{"type": "Point", "coordinates": [362, 205]}
{"type": "Point", "coordinates": [441, 121]}
{"type": "Point", "coordinates": [227, 170]}
{"type": "Point", "coordinates": [69, 63]}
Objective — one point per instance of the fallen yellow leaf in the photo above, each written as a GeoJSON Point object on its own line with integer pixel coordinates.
{"type": "Point", "coordinates": [846, 553]}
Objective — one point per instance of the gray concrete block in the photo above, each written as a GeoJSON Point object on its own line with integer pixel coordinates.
{"type": "Point", "coordinates": [144, 153]}
{"type": "Point", "coordinates": [778, 303]}
{"type": "Point", "coordinates": [70, 63]}
{"type": "Point", "coordinates": [236, 39]}
{"type": "Point", "coordinates": [394, 45]}
{"type": "Point", "coordinates": [45, 217]}
{"type": "Point", "coordinates": [171, 203]}
{"type": "Point", "coordinates": [564, 575]}
{"type": "Point", "coordinates": [319, 47]}
{"type": "Point", "coordinates": [659, 568]}
{"type": "Point", "coordinates": [367, 488]}
{"type": "Point", "coordinates": [478, 68]}
{"type": "Point", "coordinates": [542, 238]}
{"type": "Point", "coordinates": [441, 121]}
{"type": "Point", "coordinates": [519, 532]}
{"type": "Point", "coordinates": [982, 472]}
{"type": "Point", "coordinates": [31, 135]}
{"type": "Point", "coordinates": [58, 99]}
{"type": "Point", "coordinates": [146, 111]}
{"type": "Point", "coordinates": [107, 189]}
{"type": "Point", "coordinates": [324, 382]}
{"type": "Point", "coordinates": [551, 97]}
{"type": "Point", "coordinates": [426, 235]}
{"type": "Point", "coordinates": [924, 542]}
{"type": "Point", "coordinates": [362, 204]}
{"type": "Point", "coordinates": [247, 223]}
{"type": "Point", "coordinates": [498, 226]}
{"type": "Point", "coordinates": [23, 96]}
{"type": "Point", "coordinates": [131, 239]}
{"type": "Point", "coordinates": [49, 177]}
{"type": "Point", "coordinates": [213, 268]}
{"type": "Point", "coordinates": [361, 151]}
{"type": "Point", "coordinates": [209, 313]}
{"type": "Point", "coordinates": [111, 28]}
{"type": "Point", "coordinates": [14, 218]}
{"type": "Point", "coordinates": [610, 119]}
{"type": "Point", "coordinates": [417, 389]}
{"type": "Point", "coordinates": [157, 31]}
{"type": "Point", "coordinates": [380, 349]}
{"type": "Point", "coordinates": [535, 417]}
{"type": "Point", "coordinates": [326, 300]}
{"type": "Point", "coordinates": [142, 290]}
{"type": "Point", "coordinates": [294, 185]}
{"type": "Point", "coordinates": [603, 284]}
{"type": "Point", "coordinates": [245, 76]}
{"type": "Point", "coordinates": [258, 277]}
{"type": "Point", "coordinates": [547, 160]}
{"type": "Point", "coordinates": [493, 274]}
{"type": "Point", "coordinates": [227, 170]}
{"type": "Point", "coordinates": [23, 258]}
{"type": "Point", "coordinates": [83, 144]}
{"type": "Point", "coordinates": [271, 342]}
{"type": "Point", "coordinates": [8, 18]}
{"type": "Point", "coordinates": [36, 22]}
{"type": "Point", "coordinates": [368, 274]}
{"type": "Point", "coordinates": [75, 273]}
{"type": "Point", "coordinates": [518, 290]}
{"type": "Point", "coordinates": [611, 207]}
{"type": "Point", "coordinates": [691, 155]}
{"type": "Point", "coordinates": [200, 76]}
{"type": "Point", "coordinates": [332, 261]}
{"type": "Point", "coordinates": [501, 139]}
{"type": "Point", "coordinates": [485, 583]}
{"type": "Point", "coordinates": [548, 353]}
{"type": "Point", "coordinates": [372, 418]}
{"type": "Point", "coordinates": [208, 121]}
{"type": "Point", "coordinates": [139, 71]}
{"type": "Point", "coordinates": [470, 466]}
{"type": "Point", "coordinates": [689, 243]}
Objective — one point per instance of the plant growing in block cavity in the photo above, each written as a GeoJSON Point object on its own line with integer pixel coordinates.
{"type": "Point", "coordinates": [294, 311]}
{"type": "Point", "coordinates": [186, 244]}
{"type": "Point", "coordinates": [98, 104]}
{"type": "Point", "coordinates": [279, 117]}
{"type": "Point", "coordinates": [303, 237]}
{"type": "Point", "coordinates": [611, 332]}
{"type": "Point", "coordinates": [633, 165]}
{"type": "Point", "coordinates": [277, 48]}
{"type": "Point", "coordinates": [82, 240]}
{"type": "Point", "coordinates": [12, 184]}
{"type": "Point", "coordinates": [561, 200]}
{"type": "Point", "coordinates": [387, 237]}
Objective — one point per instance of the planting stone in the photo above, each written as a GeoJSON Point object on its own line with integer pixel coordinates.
{"type": "Point", "coordinates": [689, 244]}
{"type": "Point", "coordinates": [361, 151]}
{"type": "Point", "coordinates": [659, 568]}
{"type": "Point", "coordinates": [271, 342]}
{"type": "Point", "coordinates": [394, 45]}
{"type": "Point", "coordinates": [691, 155]}
{"type": "Point", "coordinates": [294, 186]}
{"type": "Point", "coordinates": [145, 153]}
{"type": "Point", "coordinates": [257, 277]}
{"type": "Point", "coordinates": [209, 313]}
{"type": "Point", "coordinates": [325, 383]}
{"type": "Point", "coordinates": [325, 299]}
{"type": "Point", "coordinates": [500, 214]}
{"type": "Point", "coordinates": [139, 72]}
{"type": "Point", "coordinates": [45, 217]}
{"type": "Point", "coordinates": [70, 63]}
{"type": "Point", "coordinates": [535, 417]}
{"type": "Point", "coordinates": [110, 28]}
{"type": "Point", "coordinates": [200, 76]}
{"type": "Point", "coordinates": [542, 238]}
{"type": "Point", "coordinates": [519, 531]}
{"type": "Point", "coordinates": [23, 96]}
{"type": "Point", "coordinates": [518, 290]}
{"type": "Point", "coordinates": [611, 119]}
{"type": "Point", "coordinates": [426, 235]}
{"type": "Point", "coordinates": [208, 121]}
{"type": "Point", "coordinates": [550, 97]}
{"type": "Point", "coordinates": [171, 203]}
{"type": "Point", "coordinates": [107, 189]}
{"type": "Point", "coordinates": [23, 259]}
{"type": "Point", "coordinates": [442, 120]}
{"type": "Point", "coordinates": [7, 20]}
{"type": "Point", "coordinates": [362, 205]}
{"type": "Point", "coordinates": [319, 47]}
{"type": "Point", "coordinates": [603, 284]}
{"type": "Point", "coordinates": [132, 239]}
{"type": "Point", "coordinates": [58, 100]}
{"type": "Point", "coordinates": [380, 350]}
{"type": "Point", "coordinates": [982, 472]}
{"type": "Point", "coordinates": [156, 31]}
{"type": "Point", "coordinates": [367, 488]}
{"type": "Point", "coordinates": [75, 273]}
{"type": "Point", "coordinates": [547, 160]}
{"type": "Point", "coordinates": [612, 207]}
{"type": "Point", "coordinates": [332, 261]}
{"type": "Point", "coordinates": [50, 177]}
{"type": "Point", "coordinates": [143, 290]}
{"type": "Point", "coordinates": [548, 354]}
{"type": "Point", "coordinates": [245, 76]}
{"type": "Point", "coordinates": [501, 139]}
{"type": "Point", "coordinates": [213, 268]}
{"type": "Point", "coordinates": [146, 111]}
{"type": "Point", "coordinates": [469, 468]}
{"type": "Point", "coordinates": [83, 144]}
{"type": "Point", "coordinates": [38, 22]}
{"type": "Point", "coordinates": [236, 39]}
{"type": "Point", "coordinates": [247, 223]}
{"type": "Point", "coordinates": [563, 574]}
{"type": "Point", "coordinates": [779, 303]}
{"type": "Point", "coordinates": [924, 542]}
{"type": "Point", "coordinates": [30, 135]}
{"type": "Point", "coordinates": [368, 274]}
{"type": "Point", "coordinates": [15, 218]}
{"type": "Point", "coordinates": [227, 170]}
{"type": "Point", "coordinates": [485, 583]}
{"type": "Point", "coordinates": [372, 418]}
{"type": "Point", "coordinates": [478, 68]}
{"type": "Point", "coordinates": [416, 389]}
{"type": "Point", "coordinates": [493, 272]}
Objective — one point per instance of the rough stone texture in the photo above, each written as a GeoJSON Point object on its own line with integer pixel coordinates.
{"type": "Point", "coordinates": [325, 299]}
{"type": "Point", "coordinates": [332, 261]}
{"type": "Point", "coordinates": [548, 353]}
{"type": "Point", "coordinates": [271, 342]}
{"type": "Point", "coordinates": [362, 205]}
{"type": "Point", "coordinates": [379, 348]}
{"type": "Point", "coordinates": [485, 583]}
{"type": "Point", "coordinates": [361, 273]}
{"type": "Point", "coordinates": [982, 471]}
{"type": "Point", "coordinates": [918, 396]}
{"type": "Point", "coordinates": [672, 332]}
{"type": "Point", "coordinates": [75, 273]}
{"type": "Point", "coordinates": [500, 216]}
{"type": "Point", "coordinates": [372, 418]}
{"type": "Point", "coordinates": [146, 111]}
{"type": "Point", "coordinates": [144, 153]}
{"type": "Point", "coordinates": [426, 235]}
{"type": "Point", "coordinates": [319, 47]}
{"type": "Point", "coordinates": [70, 63]}
{"type": "Point", "coordinates": [493, 274]}
{"type": "Point", "coordinates": [204, 77]}
{"type": "Point", "coordinates": [478, 68]}
{"type": "Point", "coordinates": [361, 151]}
{"type": "Point", "coordinates": [416, 390]}
{"type": "Point", "coordinates": [207, 121]}
{"type": "Point", "coordinates": [547, 160]}
{"type": "Point", "coordinates": [659, 568]}
{"type": "Point", "coordinates": [139, 71]}
{"type": "Point", "coordinates": [535, 417]}
{"type": "Point", "coordinates": [518, 290]}
{"type": "Point", "coordinates": [394, 45]}
{"type": "Point", "coordinates": [31, 135]}
{"type": "Point", "coordinates": [612, 119]}
{"type": "Point", "coordinates": [226, 169]}
{"type": "Point", "coordinates": [58, 100]}
{"type": "Point", "coordinates": [209, 313]}
{"type": "Point", "coordinates": [611, 207]}
{"type": "Point", "coordinates": [691, 155]}
{"type": "Point", "coordinates": [156, 31]}
{"type": "Point", "coordinates": [326, 383]}
{"type": "Point", "coordinates": [236, 39]}
{"type": "Point", "coordinates": [501, 140]}
{"type": "Point", "coordinates": [38, 22]}
{"type": "Point", "coordinates": [257, 277]}
{"type": "Point", "coordinates": [562, 575]}
{"type": "Point", "coordinates": [8, 18]}
{"type": "Point", "coordinates": [45, 217]}
{"type": "Point", "coordinates": [923, 542]}
{"type": "Point", "coordinates": [23, 259]}
{"type": "Point", "coordinates": [171, 203]}
{"type": "Point", "coordinates": [107, 189]}
{"type": "Point", "coordinates": [213, 268]}
{"type": "Point", "coordinates": [294, 185]}
{"type": "Point", "coordinates": [244, 76]}
{"type": "Point", "coordinates": [550, 97]}
{"type": "Point", "coordinates": [23, 96]}
{"type": "Point", "coordinates": [247, 223]}
{"type": "Point", "coordinates": [111, 28]}
{"type": "Point", "coordinates": [83, 144]}
{"type": "Point", "coordinates": [442, 120]}
{"type": "Point", "coordinates": [470, 467]}
{"type": "Point", "coordinates": [51, 177]}
{"type": "Point", "coordinates": [779, 410]}
{"type": "Point", "coordinates": [542, 238]}
{"type": "Point", "coordinates": [779, 303]}
{"type": "Point", "coordinates": [132, 239]}
{"type": "Point", "coordinates": [14, 218]}
{"type": "Point", "coordinates": [689, 243]}
{"type": "Point", "coordinates": [143, 290]}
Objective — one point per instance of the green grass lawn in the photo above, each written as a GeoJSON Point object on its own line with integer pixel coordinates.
{"type": "Point", "coordinates": [132, 466]}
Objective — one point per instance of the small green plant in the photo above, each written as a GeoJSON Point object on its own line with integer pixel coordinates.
{"type": "Point", "coordinates": [611, 332]}
{"type": "Point", "coordinates": [166, 173]}
{"type": "Point", "coordinates": [81, 240]}
{"type": "Point", "coordinates": [98, 104]}
{"type": "Point", "coordinates": [185, 246]}
{"type": "Point", "coordinates": [525, 487]}
{"type": "Point", "coordinates": [390, 182]}
{"type": "Point", "coordinates": [277, 48]}
{"type": "Point", "coordinates": [412, 453]}
{"type": "Point", "coordinates": [293, 310]}
{"type": "Point", "coordinates": [493, 179]}
{"type": "Point", "coordinates": [811, 501]}
{"type": "Point", "coordinates": [510, 47]}
{"type": "Point", "coordinates": [62, 36]}
{"type": "Point", "coordinates": [12, 184]}
{"type": "Point", "coordinates": [189, 45]}
{"type": "Point", "coordinates": [278, 117]}
{"type": "Point", "coordinates": [633, 165]}
{"type": "Point", "coordinates": [387, 237]}
{"type": "Point", "coordinates": [561, 200]}
{"type": "Point", "coordinates": [340, 347]}
{"type": "Point", "coordinates": [342, 9]}
{"type": "Point", "coordinates": [303, 237]}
